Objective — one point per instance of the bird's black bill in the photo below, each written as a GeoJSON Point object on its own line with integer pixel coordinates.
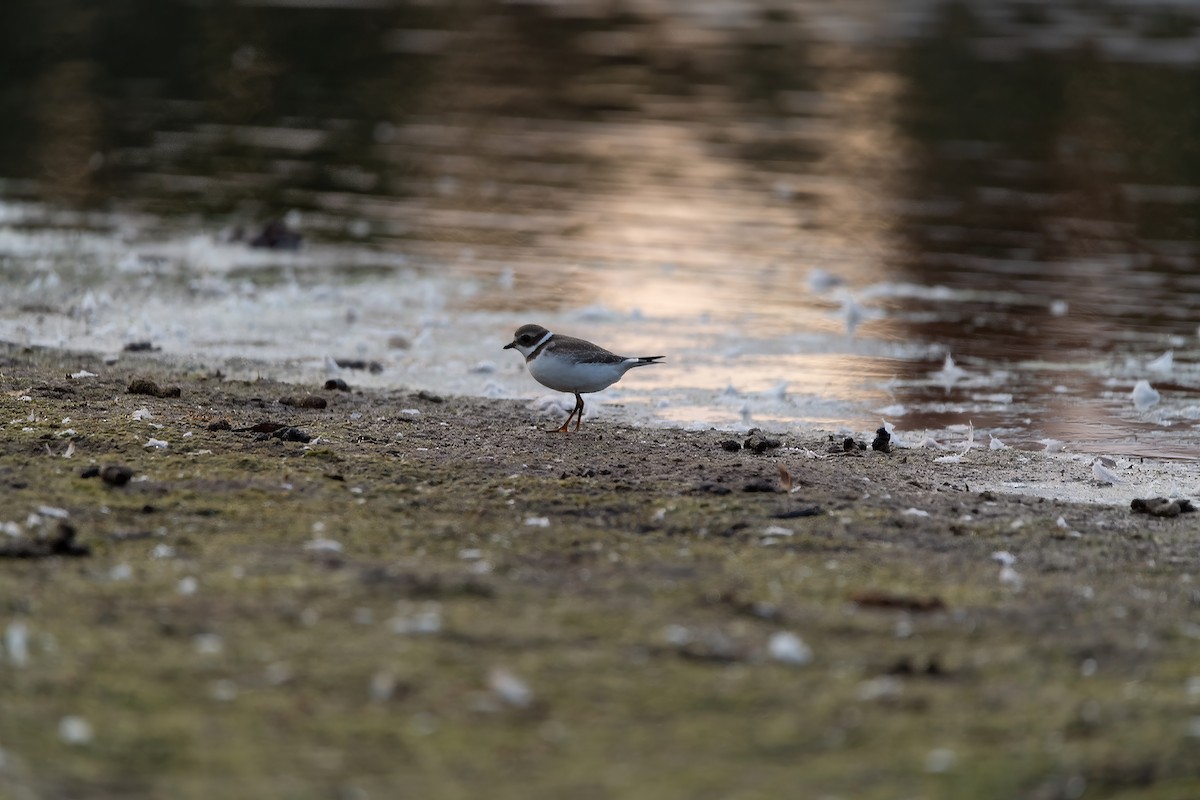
{"type": "Point", "coordinates": [509, 346]}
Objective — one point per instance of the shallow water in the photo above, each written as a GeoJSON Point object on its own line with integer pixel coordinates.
{"type": "Point", "coordinates": [805, 209]}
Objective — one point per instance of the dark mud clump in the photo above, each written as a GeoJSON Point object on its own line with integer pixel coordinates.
{"type": "Point", "coordinates": [287, 434]}
{"type": "Point", "coordinates": [112, 474]}
{"type": "Point", "coordinates": [759, 443]}
{"type": "Point", "coordinates": [897, 602]}
{"type": "Point", "coordinates": [116, 474]}
{"type": "Point", "coordinates": [276, 235]}
{"type": "Point", "coordinates": [847, 444]}
{"type": "Point", "coordinates": [307, 401]}
{"type": "Point", "coordinates": [148, 387]}
{"type": "Point", "coordinates": [374, 367]}
{"type": "Point", "coordinates": [59, 543]}
{"type": "Point", "coordinates": [1162, 506]}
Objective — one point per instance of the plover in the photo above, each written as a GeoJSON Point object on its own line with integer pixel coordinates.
{"type": "Point", "coordinates": [567, 364]}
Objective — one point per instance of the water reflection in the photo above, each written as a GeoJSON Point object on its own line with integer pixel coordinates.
{"type": "Point", "coordinates": [1015, 184]}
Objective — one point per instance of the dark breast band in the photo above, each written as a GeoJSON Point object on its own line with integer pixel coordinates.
{"type": "Point", "coordinates": [539, 348]}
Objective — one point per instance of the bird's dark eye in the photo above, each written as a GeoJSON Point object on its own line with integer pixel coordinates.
{"type": "Point", "coordinates": [527, 339]}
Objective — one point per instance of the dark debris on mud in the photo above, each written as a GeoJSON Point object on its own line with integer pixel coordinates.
{"type": "Point", "coordinates": [60, 542]}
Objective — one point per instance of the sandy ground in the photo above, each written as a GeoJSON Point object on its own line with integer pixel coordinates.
{"type": "Point", "coordinates": [446, 597]}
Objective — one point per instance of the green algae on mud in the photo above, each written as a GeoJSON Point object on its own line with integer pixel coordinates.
{"type": "Point", "coordinates": [265, 618]}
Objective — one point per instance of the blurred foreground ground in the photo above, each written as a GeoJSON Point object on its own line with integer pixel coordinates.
{"type": "Point", "coordinates": [436, 597]}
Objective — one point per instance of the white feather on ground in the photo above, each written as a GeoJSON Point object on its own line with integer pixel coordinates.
{"type": "Point", "coordinates": [1103, 474]}
{"type": "Point", "coordinates": [1144, 396]}
{"type": "Point", "coordinates": [1164, 363]}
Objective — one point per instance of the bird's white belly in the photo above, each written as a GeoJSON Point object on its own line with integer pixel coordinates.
{"type": "Point", "coordinates": [568, 376]}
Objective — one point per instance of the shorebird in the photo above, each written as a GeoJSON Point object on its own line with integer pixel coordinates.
{"type": "Point", "coordinates": [567, 364]}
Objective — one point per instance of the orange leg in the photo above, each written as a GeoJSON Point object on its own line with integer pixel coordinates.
{"type": "Point", "coordinates": [577, 410]}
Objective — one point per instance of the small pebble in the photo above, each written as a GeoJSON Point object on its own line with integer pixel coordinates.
{"type": "Point", "coordinates": [16, 643]}
{"type": "Point", "coordinates": [940, 760]}
{"type": "Point", "coordinates": [74, 730]}
{"type": "Point", "coordinates": [381, 687]}
{"type": "Point", "coordinates": [208, 644]}
{"type": "Point", "coordinates": [223, 690]}
{"type": "Point", "coordinates": [427, 621]}
{"type": "Point", "coordinates": [788, 648]}
{"type": "Point", "coordinates": [510, 689]}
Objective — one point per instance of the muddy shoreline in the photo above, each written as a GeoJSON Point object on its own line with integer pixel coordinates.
{"type": "Point", "coordinates": [446, 595]}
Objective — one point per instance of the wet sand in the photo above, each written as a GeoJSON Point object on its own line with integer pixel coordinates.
{"type": "Point", "coordinates": [444, 596]}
